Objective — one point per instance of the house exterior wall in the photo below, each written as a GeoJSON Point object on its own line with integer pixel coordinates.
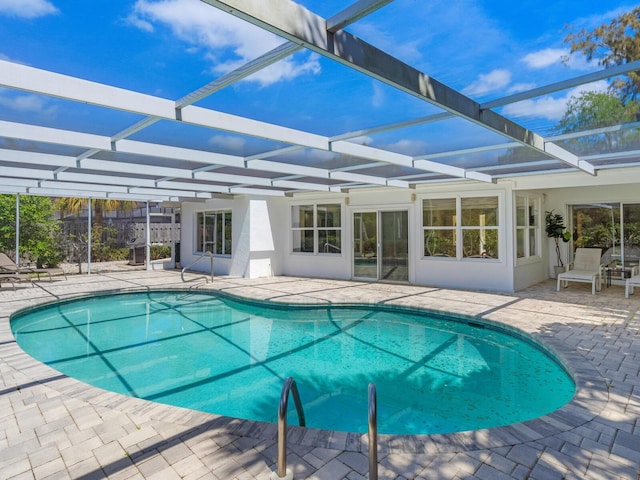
{"type": "Point", "coordinates": [262, 233]}
{"type": "Point", "coordinates": [256, 232]}
{"type": "Point", "coordinates": [262, 238]}
{"type": "Point", "coordinates": [560, 191]}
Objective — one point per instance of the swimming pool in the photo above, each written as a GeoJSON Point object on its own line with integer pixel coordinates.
{"type": "Point", "coordinates": [215, 354]}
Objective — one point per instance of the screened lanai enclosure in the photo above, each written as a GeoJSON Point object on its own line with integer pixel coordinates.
{"type": "Point", "coordinates": [448, 187]}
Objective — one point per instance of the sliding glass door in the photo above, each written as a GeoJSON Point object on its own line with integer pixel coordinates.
{"type": "Point", "coordinates": [380, 245]}
{"type": "Point", "coordinates": [612, 227]}
{"type": "Point", "coordinates": [365, 245]}
{"type": "Point", "coordinates": [394, 258]}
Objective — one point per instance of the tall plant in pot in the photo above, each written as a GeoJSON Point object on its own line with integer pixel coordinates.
{"type": "Point", "coordinates": [555, 229]}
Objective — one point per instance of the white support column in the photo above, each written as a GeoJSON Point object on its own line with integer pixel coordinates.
{"type": "Point", "coordinates": [89, 236]}
{"type": "Point", "coordinates": [148, 239]}
{"type": "Point", "coordinates": [173, 239]}
{"type": "Point", "coordinates": [18, 229]}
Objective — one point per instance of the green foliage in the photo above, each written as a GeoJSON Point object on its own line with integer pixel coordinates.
{"type": "Point", "coordinates": [591, 110]}
{"type": "Point", "coordinates": [73, 206]}
{"type": "Point", "coordinates": [554, 228]}
{"type": "Point", "coordinates": [160, 251]}
{"type": "Point", "coordinates": [103, 240]}
{"type": "Point", "coordinates": [39, 231]}
{"type": "Point", "coordinates": [615, 43]}
{"type": "Point", "coordinates": [103, 249]}
{"type": "Point", "coordinates": [595, 110]}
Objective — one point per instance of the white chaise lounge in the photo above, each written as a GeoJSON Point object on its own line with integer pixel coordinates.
{"type": "Point", "coordinates": [585, 268]}
{"type": "Point", "coordinates": [634, 281]}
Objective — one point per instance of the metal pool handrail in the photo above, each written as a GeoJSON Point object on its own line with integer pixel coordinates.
{"type": "Point", "coordinates": [289, 386]}
{"type": "Point", "coordinates": [373, 433]}
{"type": "Point", "coordinates": [202, 255]}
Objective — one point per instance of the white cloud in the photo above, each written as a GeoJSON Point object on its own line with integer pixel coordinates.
{"type": "Point", "coordinates": [577, 61]}
{"type": "Point", "coordinates": [139, 23]}
{"type": "Point", "coordinates": [408, 147]}
{"type": "Point", "coordinates": [520, 87]}
{"type": "Point", "coordinates": [311, 157]}
{"type": "Point", "coordinates": [362, 140]}
{"type": "Point", "coordinates": [550, 108]}
{"type": "Point", "coordinates": [556, 56]}
{"type": "Point", "coordinates": [489, 82]}
{"type": "Point", "coordinates": [26, 103]}
{"type": "Point", "coordinates": [547, 107]}
{"type": "Point", "coordinates": [544, 58]}
{"type": "Point", "coordinates": [404, 49]}
{"type": "Point", "coordinates": [228, 41]}
{"type": "Point", "coordinates": [377, 100]}
{"type": "Point", "coordinates": [286, 69]}
{"type": "Point", "coordinates": [228, 142]}
{"type": "Point", "coordinates": [27, 8]}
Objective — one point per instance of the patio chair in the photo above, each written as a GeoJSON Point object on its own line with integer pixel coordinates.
{"type": "Point", "coordinates": [585, 268]}
{"type": "Point", "coordinates": [633, 281]}
{"type": "Point", "coordinates": [8, 266]}
{"type": "Point", "coordinates": [13, 278]}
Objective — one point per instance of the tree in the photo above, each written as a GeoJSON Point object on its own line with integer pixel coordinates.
{"type": "Point", "coordinates": [102, 238]}
{"type": "Point", "coordinates": [38, 229]}
{"type": "Point", "coordinates": [76, 205]}
{"type": "Point", "coordinates": [611, 44]}
{"type": "Point", "coordinates": [590, 110]}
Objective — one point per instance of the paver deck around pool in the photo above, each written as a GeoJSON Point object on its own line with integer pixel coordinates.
{"type": "Point", "coordinates": [55, 427]}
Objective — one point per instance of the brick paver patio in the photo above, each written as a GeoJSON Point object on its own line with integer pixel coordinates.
{"type": "Point", "coordinates": [54, 427]}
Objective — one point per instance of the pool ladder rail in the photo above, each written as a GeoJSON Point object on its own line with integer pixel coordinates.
{"type": "Point", "coordinates": [373, 432]}
{"type": "Point", "coordinates": [282, 473]}
{"type": "Point", "coordinates": [200, 257]}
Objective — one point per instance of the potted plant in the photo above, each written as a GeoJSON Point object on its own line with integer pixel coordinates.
{"type": "Point", "coordinates": [555, 229]}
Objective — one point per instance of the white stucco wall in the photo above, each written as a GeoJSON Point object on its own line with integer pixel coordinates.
{"type": "Point", "coordinates": [483, 274]}
{"type": "Point", "coordinates": [477, 274]}
{"type": "Point", "coordinates": [222, 265]}
{"type": "Point", "coordinates": [257, 231]}
{"type": "Point", "coordinates": [262, 237]}
{"type": "Point", "coordinates": [315, 265]}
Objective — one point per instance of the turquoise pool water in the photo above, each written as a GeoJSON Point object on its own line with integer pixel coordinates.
{"type": "Point", "coordinates": [210, 353]}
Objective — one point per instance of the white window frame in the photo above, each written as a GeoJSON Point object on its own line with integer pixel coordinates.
{"type": "Point", "coordinates": [530, 200]}
{"type": "Point", "coordinates": [316, 228]}
{"type": "Point", "coordinates": [459, 229]}
{"type": "Point", "coordinates": [227, 217]}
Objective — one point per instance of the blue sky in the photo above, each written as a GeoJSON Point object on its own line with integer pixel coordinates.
{"type": "Point", "coordinates": [484, 48]}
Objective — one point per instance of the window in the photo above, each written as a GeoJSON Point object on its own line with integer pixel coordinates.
{"type": "Point", "coordinates": [214, 232]}
{"type": "Point", "coordinates": [480, 227]}
{"type": "Point", "coordinates": [316, 228]}
{"type": "Point", "coordinates": [473, 219]}
{"type": "Point", "coordinates": [527, 226]}
{"type": "Point", "coordinates": [439, 222]}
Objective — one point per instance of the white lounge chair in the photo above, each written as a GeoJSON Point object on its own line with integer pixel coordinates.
{"type": "Point", "coordinates": [585, 268]}
{"type": "Point", "coordinates": [634, 281]}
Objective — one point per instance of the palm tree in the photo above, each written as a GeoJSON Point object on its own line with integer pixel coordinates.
{"type": "Point", "coordinates": [76, 205]}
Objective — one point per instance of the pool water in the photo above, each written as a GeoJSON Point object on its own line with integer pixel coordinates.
{"type": "Point", "coordinates": [210, 353]}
